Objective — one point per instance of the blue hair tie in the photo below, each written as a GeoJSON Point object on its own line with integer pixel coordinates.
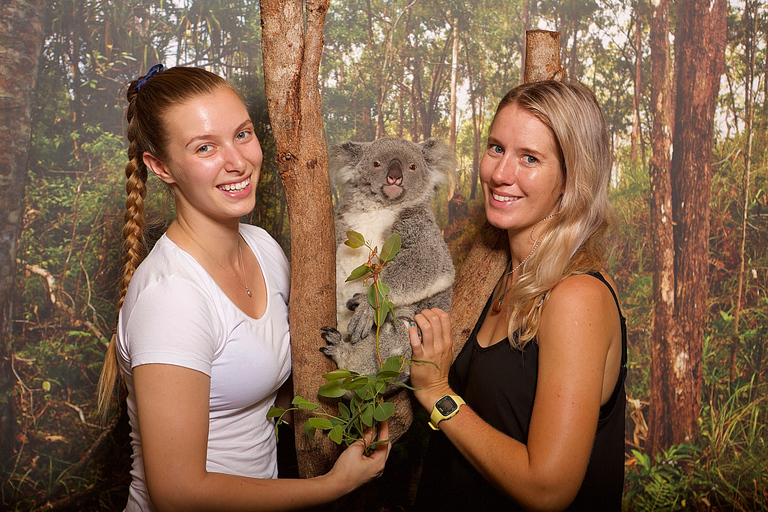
{"type": "Point", "coordinates": [157, 68]}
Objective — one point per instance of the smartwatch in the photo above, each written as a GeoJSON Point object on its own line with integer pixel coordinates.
{"type": "Point", "coordinates": [444, 408]}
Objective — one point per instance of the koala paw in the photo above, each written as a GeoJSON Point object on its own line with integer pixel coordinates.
{"type": "Point", "coordinates": [362, 323]}
{"type": "Point", "coordinates": [357, 299]}
{"type": "Point", "coordinates": [333, 338]}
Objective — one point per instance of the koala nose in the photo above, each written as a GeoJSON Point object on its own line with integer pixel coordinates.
{"type": "Point", "coordinates": [395, 172]}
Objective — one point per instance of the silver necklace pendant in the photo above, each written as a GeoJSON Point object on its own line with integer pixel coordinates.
{"type": "Point", "coordinates": [242, 261]}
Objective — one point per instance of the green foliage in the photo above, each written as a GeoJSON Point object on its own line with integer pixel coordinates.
{"type": "Point", "coordinates": [372, 269]}
{"type": "Point", "coordinates": [365, 410]}
{"type": "Point", "coordinates": [662, 483]}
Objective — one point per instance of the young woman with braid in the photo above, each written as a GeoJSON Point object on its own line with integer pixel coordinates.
{"type": "Point", "coordinates": [531, 412]}
{"type": "Point", "coordinates": [202, 340]}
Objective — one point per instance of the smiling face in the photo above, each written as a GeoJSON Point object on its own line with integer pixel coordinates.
{"type": "Point", "coordinates": [520, 171]}
{"type": "Point", "coordinates": [214, 157]}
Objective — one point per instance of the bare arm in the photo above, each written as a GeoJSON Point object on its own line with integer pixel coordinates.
{"type": "Point", "coordinates": [579, 327]}
{"type": "Point", "coordinates": [173, 419]}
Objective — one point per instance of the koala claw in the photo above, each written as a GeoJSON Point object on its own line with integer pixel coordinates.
{"type": "Point", "coordinates": [333, 338]}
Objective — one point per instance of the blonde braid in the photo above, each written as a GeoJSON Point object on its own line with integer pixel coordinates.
{"type": "Point", "coordinates": [134, 250]}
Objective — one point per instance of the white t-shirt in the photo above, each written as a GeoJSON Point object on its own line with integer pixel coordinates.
{"type": "Point", "coordinates": [174, 313]}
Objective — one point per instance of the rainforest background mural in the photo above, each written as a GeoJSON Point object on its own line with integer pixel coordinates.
{"type": "Point", "coordinates": [684, 88]}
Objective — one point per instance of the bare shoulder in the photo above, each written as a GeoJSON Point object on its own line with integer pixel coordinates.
{"type": "Point", "coordinates": [580, 305]}
{"type": "Point", "coordinates": [581, 292]}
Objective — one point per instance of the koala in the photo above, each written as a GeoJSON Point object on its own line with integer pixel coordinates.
{"type": "Point", "coordinates": [386, 186]}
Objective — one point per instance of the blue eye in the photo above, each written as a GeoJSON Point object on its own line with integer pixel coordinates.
{"type": "Point", "coordinates": [530, 159]}
{"type": "Point", "coordinates": [495, 148]}
{"type": "Point", "coordinates": [243, 134]}
{"type": "Point", "coordinates": [204, 148]}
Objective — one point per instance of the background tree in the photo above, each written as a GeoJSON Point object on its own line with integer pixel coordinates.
{"type": "Point", "coordinates": [662, 245]}
{"type": "Point", "coordinates": [21, 37]}
{"type": "Point", "coordinates": [699, 65]}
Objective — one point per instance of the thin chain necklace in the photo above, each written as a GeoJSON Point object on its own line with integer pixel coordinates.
{"type": "Point", "coordinates": [497, 305]}
{"type": "Point", "coordinates": [242, 261]}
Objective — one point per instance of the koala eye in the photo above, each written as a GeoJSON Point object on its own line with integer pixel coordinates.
{"type": "Point", "coordinates": [376, 163]}
{"type": "Point", "coordinates": [412, 167]}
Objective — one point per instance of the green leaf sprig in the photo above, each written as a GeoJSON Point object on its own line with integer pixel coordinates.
{"type": "Point", "coordinates": [378, 291]}
{"type": "Point", "coordinates": [366, 409]}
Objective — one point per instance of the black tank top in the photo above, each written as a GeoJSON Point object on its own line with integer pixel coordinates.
{"type": "Point", "coordinates": [499, 383]}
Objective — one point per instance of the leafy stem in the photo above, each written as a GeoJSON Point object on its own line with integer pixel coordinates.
{"type": "Point", "coordinates": [366, 408]}
{"type": "Point", "coordinates": [378, 291]}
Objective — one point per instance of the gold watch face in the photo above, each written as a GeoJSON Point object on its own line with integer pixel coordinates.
{"type": "Point", "coordinates": [446, 405]}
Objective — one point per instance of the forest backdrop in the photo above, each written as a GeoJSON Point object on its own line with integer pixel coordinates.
{"type": "Point", "coordinates": [689, 254]}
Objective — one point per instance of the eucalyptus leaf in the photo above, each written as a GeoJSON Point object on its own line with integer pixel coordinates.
{"type": "Point", "coordinates": [362, 270]}
{"type": "Point", "coordinates": [392, 364]}
{"type": "Point", "coordinates": [303, 403]}
{"type": "Point", "coordinates": [390, 248]}
{"type": "Point", "coordinates": [354, 239]}
{"type": "Point", "coordinates": [332, 389]}
{"type": "Point", "coordinates": [356, 383]}
{"type": "Point", "coordinates": [387, 375]}
{"type": "Point", "coordinates": [309, 429]}
{"type": "Point", "coordinates": [366, 415]}
{"type": "Point", "coordinates": [320, 423]}
{"type": "Point", "coordinates": [336, 434]}
{"type": "Point", "coordinates": [371, 294]}
{"type": "Point", "coordinates": [381, 315]}
{"type": "Point", "coordinates": [344, 411]}
{"type": "Point", "coordinates": [384, 411]}
{"type": "Point", "coordinates": [341, 373]}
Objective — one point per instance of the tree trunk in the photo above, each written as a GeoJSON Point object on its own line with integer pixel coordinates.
{"type": "Point", "coordinates": [750, 31]}
{"type": "Point", "coordinates": [542, 56]}
{"type": "Point", "coordinates": [635, 153]}
{"type": "Point", "coordinates": [700, 41]}
{"type": "Point", "coordinates": [662, 246]}
{"type": "Point", "coordinates": [21, 37]}
{"type": "Point", "coordinates": [476, 102]}
{"type": "Point", "coordinates": [291, 63]}
{"type": "Point", "coordinates": [454, 81]}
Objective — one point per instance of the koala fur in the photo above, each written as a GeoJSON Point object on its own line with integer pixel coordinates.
{"type": "Point", "coordinates": [386, 186]}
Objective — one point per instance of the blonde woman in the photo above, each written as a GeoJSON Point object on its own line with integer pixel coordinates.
{"type": "Point", "coordinates": [531, 413]}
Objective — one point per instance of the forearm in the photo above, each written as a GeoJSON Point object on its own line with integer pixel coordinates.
{"type": "Point", "coordinates": [221, 492]}
{"type": "Point", "coordinates": [535, 483]}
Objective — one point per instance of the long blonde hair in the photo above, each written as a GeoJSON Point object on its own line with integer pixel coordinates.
{"type": "Point", "coordinates": [148, 101]}
{"type": "Point", "coordinates": [574, 240]}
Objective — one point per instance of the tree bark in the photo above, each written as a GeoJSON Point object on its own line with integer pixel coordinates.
{"type": "Point", "coordinates": [21, 38]}
{"type": "Point", "coordinates": [542, 56]}
{"type": "Point", "coordinates": [700, 41]}
{"type": "Point", "coordinates": [291, 64]}
{"type": "Point", "coordinates": [662, 246]}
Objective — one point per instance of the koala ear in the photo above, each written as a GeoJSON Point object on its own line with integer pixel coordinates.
{"type": "Point", "coordinates": [439, 157]}
{"type": "Point", "coordinates": [342, 159]}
